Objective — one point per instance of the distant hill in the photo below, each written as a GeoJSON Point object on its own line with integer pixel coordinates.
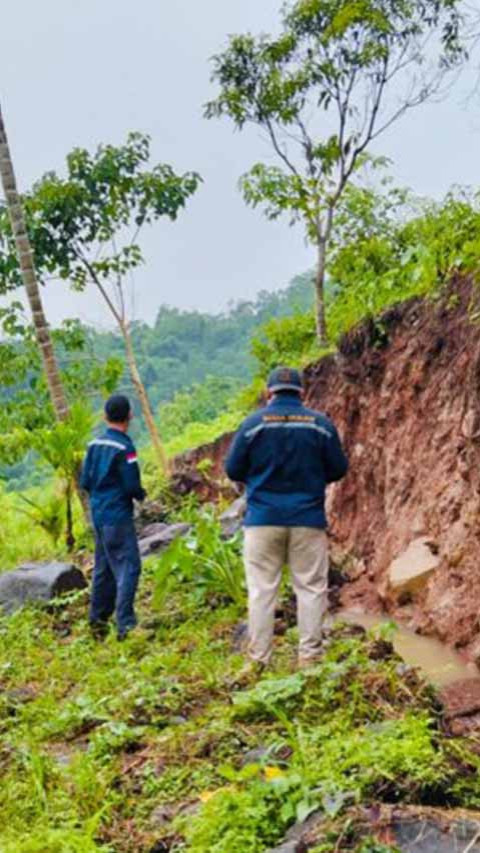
{"type": "Point", "coordinates": [178, 353]}
{"type": "Point", "coordinates": [182, 348]}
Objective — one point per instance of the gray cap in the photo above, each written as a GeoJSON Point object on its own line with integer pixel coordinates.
{"type": "Point", "coordinates": [285, 379]}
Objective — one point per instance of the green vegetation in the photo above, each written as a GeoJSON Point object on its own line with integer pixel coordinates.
{"type": "Point", "coordinates": [392, 247]}
{"type": "Point", "coordinates": [182, 348]}
{"type": "Point", "coordinates": [363, 66]}
{"type": "Point", "coordinates": [85, 229]}
{"type": "Point", "coordinates": [159, 743]}
{"type": "Point", "coordinates": [113, 748]}
{"type": "Point", "coordinates": [26, 413]}
{"type": "Point", "coordinates": [31, 532]}
{"type": "Point", "coordinates": [202, 560]}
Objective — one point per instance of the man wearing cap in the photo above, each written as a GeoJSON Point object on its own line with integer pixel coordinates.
{"type": "Point", "coordinates": [111, 477]}
{"type": "Point", "coordinates": [286, 455]}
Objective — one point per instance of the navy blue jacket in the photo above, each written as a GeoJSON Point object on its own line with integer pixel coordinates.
{"type": "Point", "coordinates": [286, 455]}
{"type": "Point", "coordinates": [111, 477]}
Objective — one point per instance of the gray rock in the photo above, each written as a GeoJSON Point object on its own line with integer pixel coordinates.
{"type": "Point", "coordinates": [436, 831]}
{"type": "Point", "coordinates": [63, 759]}
{"type": "Point", "coordinates": [190, 809]}
{"type": "Point", "coordinates": [63, 754]}
{"type": "Point", "coordinates": [178, 720]}
{"type": "Point", "coordinates": [293, 842]}
{"type": "Point", "coordinates": [161, 816]}
{"type": "Point", "coordinates": [157, 537]}
{"type": "Point", "coordinates": [12, 700]}
{"type": "Point", "coordinates": [430, 836]}
{"type": "Point", "coordinates": [38, 582]}
{"type": "Point", "coordinates": [297, 832]}
{"type": "Point", "coordinates": [231, 520]}
{"type": "Point", "coordinates": [255, 756]}
{"type": "Point", "coordinates": [18, 695]}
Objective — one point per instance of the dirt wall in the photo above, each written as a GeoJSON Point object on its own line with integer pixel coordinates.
{"type": "Point", "coordinates": [405, 395]}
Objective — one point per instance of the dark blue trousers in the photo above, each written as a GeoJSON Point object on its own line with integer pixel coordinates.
{"type": "Point", "coordinates": [115, 575]}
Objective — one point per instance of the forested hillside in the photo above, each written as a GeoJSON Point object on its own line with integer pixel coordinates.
{"type": "Point", "coordinates": [202, 358]}
{"type": "Point", "coordinates": [182, 348]}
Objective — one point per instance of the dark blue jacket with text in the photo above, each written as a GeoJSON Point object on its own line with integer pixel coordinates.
{"type": "Point", "coordinates": [286, 455]}
{"type": "Point", "coordinates": [111, 477]}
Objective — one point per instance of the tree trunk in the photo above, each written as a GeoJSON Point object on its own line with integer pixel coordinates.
{"type": "Point", "coordinates": [69, 537]}
{"type": "Point", "coordinates": [320, 320]}
{"type": "Point", "coordinates": [27, 269]}
{"type": "Point", "coordinates": [144, 401]}
{"type": "Point", "coordinates": [25, 259]}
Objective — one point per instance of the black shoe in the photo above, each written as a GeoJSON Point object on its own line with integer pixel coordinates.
{"type": "Point", "coordinates": [99, 630]}
{"type": "Point", "coordinates": [122, 635]}
{"type": "Point", "coordinates": [139, 633]}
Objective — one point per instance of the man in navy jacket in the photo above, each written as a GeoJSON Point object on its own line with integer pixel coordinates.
{"type": "Point", "coordinates": [286, 455]}
{"type": "Point", "coordinates": [111, 477]}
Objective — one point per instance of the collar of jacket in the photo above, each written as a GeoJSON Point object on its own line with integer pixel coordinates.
{"type": "Point", "coordinates": [286, 400]}
{"type": "Point", "coordinates": [115, 433]}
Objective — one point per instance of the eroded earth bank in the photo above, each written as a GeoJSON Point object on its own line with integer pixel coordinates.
{"type": "Point", "coordinates": [405, 392]}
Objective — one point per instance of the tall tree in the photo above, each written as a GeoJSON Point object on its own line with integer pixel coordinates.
{"type": "Point", "coordinates": [85, 229]}
{"type": "Point", "coordinates": [338, 75]}
{"type": "Point", "coordinates": [28, 275]}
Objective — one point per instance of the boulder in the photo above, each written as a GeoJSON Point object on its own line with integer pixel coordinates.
{"type": "Point", "coordinates": [157, 537]}
{"type": "Point", "coordinates": [300, 831]}
{"type": "Point", "coordinates": [38, 582]}
{"type": "Point", "coordinates": [411, 829]}
{"type": "Point", "coordinates": [231, 521]}
{"type": "Point", "coordinates": [413, 568]}
{"type": "Point", "coordinates": [461, 706]}
{"type": "Point", "coordinates": [461, 698]}
{"type": "Point", "coordinates": [431, 836]}
{"type": "Point", "coordinates": [297, 839]}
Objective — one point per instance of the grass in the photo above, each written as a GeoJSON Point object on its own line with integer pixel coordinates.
{"type": "Point", "coordinates": [123, 748]}
{"type": "Point", "coordinates": [141, 747]}
{"type": "Point", "coordinates": [21, 539]}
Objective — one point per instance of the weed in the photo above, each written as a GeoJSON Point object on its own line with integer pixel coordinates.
{"type": "Point", "coordinates": [97, 736]}
{"type": "Point", "coordinates": [211, 565]}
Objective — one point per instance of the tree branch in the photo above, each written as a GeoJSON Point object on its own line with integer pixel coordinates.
{"type": "Point", "coordinates": [368, 136]}
{"type": "Point", "coordinates": [119, 285]}
{"type": "Point", "coordinates": [343, 106]}
{"type": "Point", "coordinates": [307, 145]}
{"type": "Point", "coordinates": [96, 281]}
{"type": "Point", "coordinates": [279, 151]}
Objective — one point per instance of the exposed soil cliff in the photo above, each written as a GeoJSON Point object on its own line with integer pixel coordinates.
{"type": "Point", "coordinates": [405, 395]}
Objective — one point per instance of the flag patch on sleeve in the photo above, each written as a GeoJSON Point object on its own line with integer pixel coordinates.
{"type": "Point", "coordinates": [131, 457]}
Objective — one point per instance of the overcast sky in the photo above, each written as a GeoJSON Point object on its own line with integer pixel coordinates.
{"type": "Point", "coordinates": [80, 73]}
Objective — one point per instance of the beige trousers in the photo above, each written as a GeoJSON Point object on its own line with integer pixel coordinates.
{"type": "Point", "coordinates": [266, 551]}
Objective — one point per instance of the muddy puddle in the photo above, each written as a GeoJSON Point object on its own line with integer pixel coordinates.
{"type": "Point", "coordinates": [441, 664]}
